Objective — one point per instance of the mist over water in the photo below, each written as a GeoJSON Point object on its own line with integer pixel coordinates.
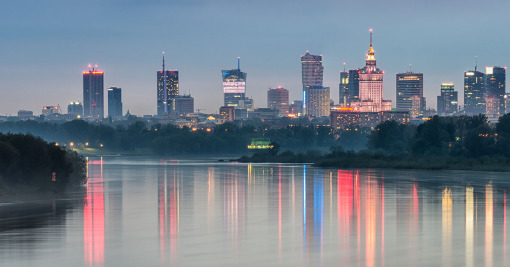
{"type": "Point", "coordinates": [200, 212]}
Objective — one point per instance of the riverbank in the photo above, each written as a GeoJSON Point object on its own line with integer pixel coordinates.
{"type": "Point", "coordinates": [365, 159]}
{"type": "Point", "coordinates": [31, 166]}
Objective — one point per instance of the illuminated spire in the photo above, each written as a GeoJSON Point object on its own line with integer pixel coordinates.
{"type": "Point", "coordinates": [238, 63]}
{"type": "Point", "coordinates": [370, 61]}
{"type": "Point", "coordinates": [163, 61]}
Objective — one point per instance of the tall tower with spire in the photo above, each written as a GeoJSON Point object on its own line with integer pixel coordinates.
{"type": "Point", "coordinates": [234, 88]}
{"type": "Point", "coordinates": [167, 89]}
{"type": "Point", "coordinates": [371, 86]}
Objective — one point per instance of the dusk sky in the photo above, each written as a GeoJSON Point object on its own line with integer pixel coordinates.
{"type": "Point", "coordinates": [46, 45]}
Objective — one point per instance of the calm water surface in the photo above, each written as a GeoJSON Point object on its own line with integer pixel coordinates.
{"type": "Point", "coordinates": [151, 212]}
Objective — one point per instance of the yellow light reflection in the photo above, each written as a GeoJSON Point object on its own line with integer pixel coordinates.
{"type": "Point", "coordinates": [447, 226]}
{"type": "Point", "coordinates": [488, 225]}
{"type": "Point", "coordinates": [470, 216]}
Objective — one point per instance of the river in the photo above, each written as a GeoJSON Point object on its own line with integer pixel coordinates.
{"type": "Point", "coordinates": [200, 212]}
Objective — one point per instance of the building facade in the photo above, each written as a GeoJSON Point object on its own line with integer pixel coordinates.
{"type": "Point", "coordinates": [93, 93]}
{"type": "Point", "coordinates": [75, 108]}
{"type": "Point", "coordinates": [227, 113]}
{"type": "Point", "coordinates": [47, 110]}
{"type": "Point", "coordinates": [167, 89]}
{"type": "Point", "coordinates": [495, 92]}
{"type": "Point", "coordinates": [234, 87]}
{"type": "Point", "coordinates": [317, 101]}
{"type": "Point", "coordinates": [371, 86]}
{"type": "Point", "coordinates": [183, 104]}
{"type": "Point", "coordinates": [447, 102]}
{"type": "Point", "coordinates": [343, 89]}
{"type": "Point", "coordinates": [474, 92]}
{"type": "Point", "coordinates": [312, 74]}
{"type": "Point", "coordinates": [114, 102]}
{"type": "Point", "coordinates": [278, 99]}
{"type": "Point", "coordinates": [409, 86]}
{"type": "Point", "coordinates": [347, 116]}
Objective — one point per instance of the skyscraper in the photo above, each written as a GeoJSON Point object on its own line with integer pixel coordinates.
{"type": "Point", "coordinates": [278, 99]}
{"type": "Point", "coordinates": [495, 92]}
{"type": "Point", "coordinates": [447, 102]}
{"type": "Point", "coordinates": [353, 86]}
{"type": "Point", "coordinates": [312, 73]}
{"type": "Point", "coordinates": [93, 93]}
{"type": "Point", "coordinates": [167, 88]}
{"type": "Point", "coordinates": [371, 86]}
{"type": "Point", "coordinates": [312, 70]}
{"type": "Point", "coordinates": [474, 92]}
{"type": "Point", "coordinates": [317, 101]}
{"type": "Point", "coordinates": [343, 89]}
{"type": "Point", "coordinates": [409, 85]}
{"type": "Point", "coordinates": [234, 87]}
{"type": "Point", "coordinates": [114, 102]}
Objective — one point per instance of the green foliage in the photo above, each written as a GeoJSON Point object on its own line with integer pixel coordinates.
{"type": "Point", "coordinates": [28, 162]}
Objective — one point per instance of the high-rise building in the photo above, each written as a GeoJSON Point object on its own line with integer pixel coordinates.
{"type": "Point", "coordinates": [495, 92]}
{"type": "Point", "coordinates": [312, 70]}
{"type": "Point", "coordinates": [93, 93]}
{"type": "Point", "coordinates": [507, 103]}
{"type": "Point", "coordinates": [353, 86]}
{"type": "Point", "coordinates": [409, 89]}
{"type": "Point", "coordinates": [371, 86]}
{"type": "Point", "coordinates": [75, 108]}
{"type": "Point", "coordinates": [416, 107]}
{"type": "Point", "coordinates": [317, 101]}
{"type": "Point", "coordinates": [447, 102]}
{"type": "Point", "coordinates": [343, 89]}
{"type": "Point", "coordinates": [114, 102]}
{"type": "Point", "coordinates": [167, 88]}
{"type": "Point", "coordinates": [278, 99]}
{"type": "Point", "coordinates": [234, 87]}
{"type": "Point", "coordinates": [312, 74]}
{"type": "Point", "coordinates": [474, 92]}
{"type": "Point", "coordinates": [183, 104]}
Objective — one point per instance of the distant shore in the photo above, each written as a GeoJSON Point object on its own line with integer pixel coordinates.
{"type": "Point", "coordinates": [356, 160]}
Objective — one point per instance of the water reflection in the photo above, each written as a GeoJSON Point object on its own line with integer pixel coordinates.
{"type": "Point", "coordinates": [181, 213]}
{"type": "Point", "coordinates": [447, 205]}
{"type": "Point", "coordinates": [469, 227]}
{"type": "Point", "coordinates": [488, 225]}
{"type": "Point", "coordinates": [168, 210]}
{"type": "Point", "coordinates": [94, 215]}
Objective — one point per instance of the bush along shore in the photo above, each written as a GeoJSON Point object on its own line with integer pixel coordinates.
{"type": "Point", "coordinates": [461, 143]}
{"type": "Point", "coordinates": [29, 166]}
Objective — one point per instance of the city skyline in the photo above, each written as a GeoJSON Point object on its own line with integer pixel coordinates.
{"type": "Point", "coordinates": [56, 48]}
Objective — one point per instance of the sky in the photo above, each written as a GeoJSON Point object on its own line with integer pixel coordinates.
{"type": "Point", "coordinates": [46, 45]}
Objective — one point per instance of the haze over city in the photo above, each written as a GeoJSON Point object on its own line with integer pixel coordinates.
{"type": "Point", "coordinates": [46, 46]}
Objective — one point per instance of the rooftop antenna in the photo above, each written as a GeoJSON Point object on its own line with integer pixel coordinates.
{"type": "Point", "coordinates": [371, 37]}
{"type": "Point", "coordinates": [238, 63]}
{"type": "Point", "coordinates": [344, 67]}
{"type": "Point", "coordinates": [410, 69]}
{"type": "Point", "coordinates": [476, 62]}
{"type": "Point", "coordinates": [165, 101]}
{"type": "Point", "coordinates": [163, 61]}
